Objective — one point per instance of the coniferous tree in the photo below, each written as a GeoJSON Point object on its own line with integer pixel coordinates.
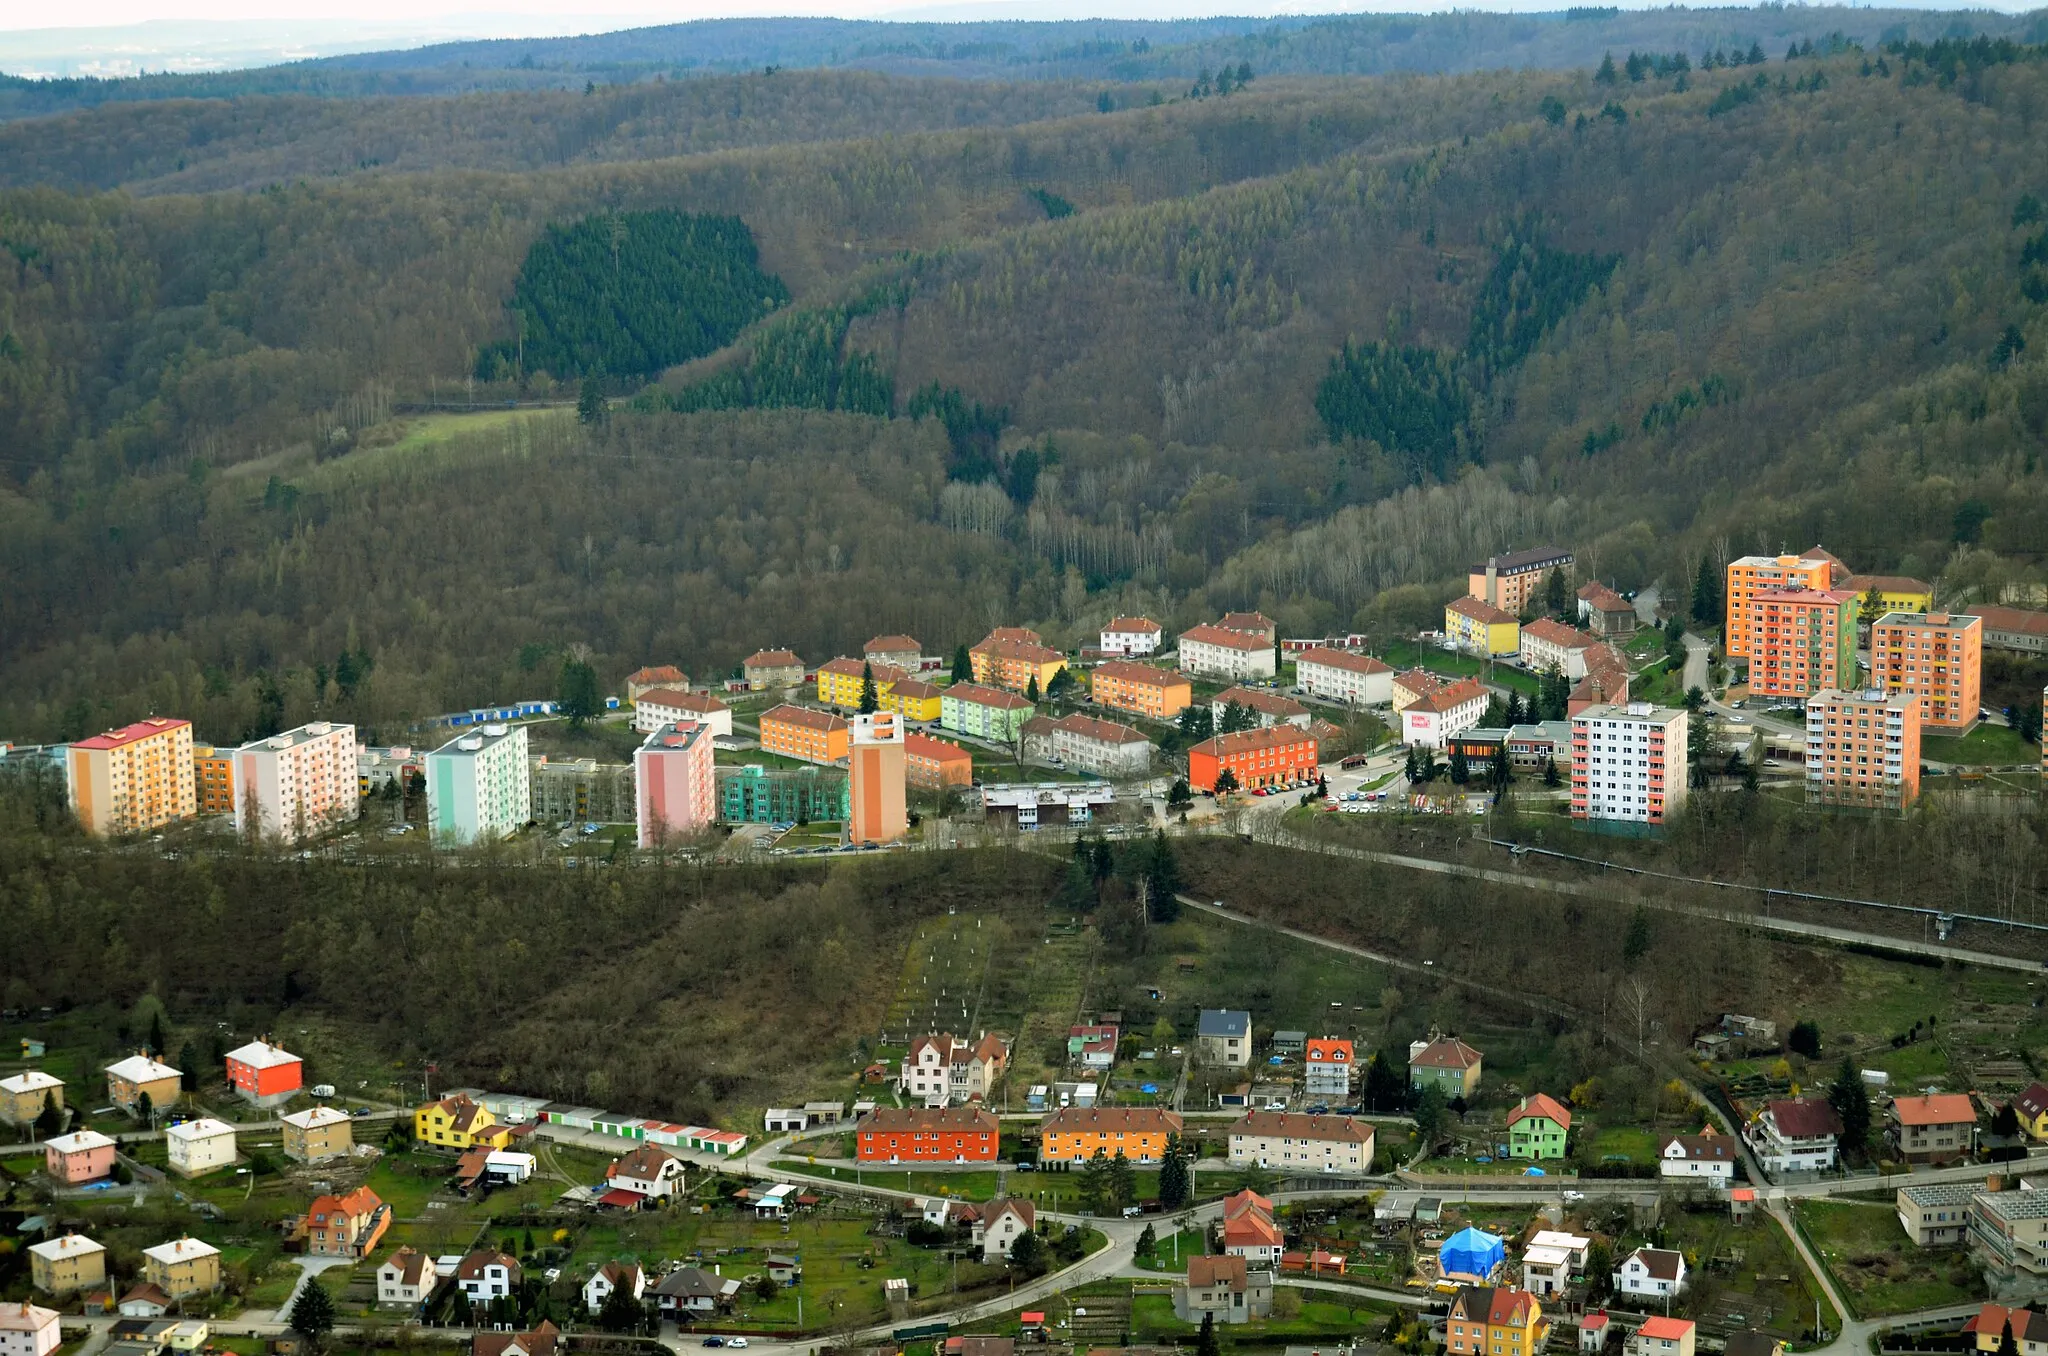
{"type": "Point", "coordinates": [1851, 1101]}
{"type": "Point", "coordinates": [1206, 1343]}
{"type": "Point", "coordinates": [1706, 593]}
{"type": "Point", "coordinates": [590, 407]}
{"type": "Point", "coordinates": [578, 692]}
{"type": "Point", "coordinates": [1606, 74]}
{"type": "Point", "coordinates": [869, 702]}
{"type": "Point", "coordinates": [51, 1119]}
{"type": "Point", "coordinates": [312, 1314]}
{"type": "Point", "coordinates": [963, 666]}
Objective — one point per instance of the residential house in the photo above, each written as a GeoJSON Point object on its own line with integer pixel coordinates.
{"type": "Point", "coordinates": [1515, 582]}
{"type": "Point", "coordinates": [1130, 636]}
{"type": "Point", "coordinates": [784, 1268]}
{"type": "Point", "coordinates": [941, 1067]}
{"type": "Point", "coordinates": [1797, 1134]}
{"type": "Point", "coordinates": [1092, 1045]}
{"type": "Point", "coordinates": [654, 677]}
{"type": "Point", "coordinates": [999, 1224]}
{"type": "Point", "coordinates": [1249, 1231]}
{"type": "Point", "coordinates": [1431, 720]}
{"type": "Point", "coordinates": [182, 1267]}
{"type": "Point", "coordinates": [297, 784]}
{"type": "Point", "coordinates": [479, 785]}
{"type": "Point", "coordinates": [1265, 708]}
{"type": "Point", "coordinates": [1326, 1067]}
{"type": "Point", "coordinates": [2031, 1107]}
{"type": "Point", "coordinates": [317, 1134]}
{"type": "Point", "coordinates": [915, 699]}
{"type": "Point", "coordinates": [1593, 1333]}
{"type": "Point", "coordinates": [1548, 644]}
{"type": "Point", "coordinates": [1141, 689]}
{"type": "Point", "coordinates": [1281, 756]}
{"type": "Point", "coordinates": [896, 652]}
{"type": "Point", "coordinates": [407, 1277]}
{"type": "Point", "coordinates": [1222, 1288]}
{"type": "Point", "coordinates": [1987, 1329]}
{"type": "Point", "coordinates": [1629, 763]}
{"type": "Point", "coordinates": [1552, 1260]}
{"type": "Point", "coordinates": [985, 713]}
{"type": "Point", "coordinates": [263, 1074]}
{"type": "Point", "coordinates": [1487, 1320]}
{"type": "Point", "coordinates": [1479, 628]}
{"type": "Point", "coordinates": [648, 1173]}
{"type": "Point", "coordinates": [1936, 659]}
{"type": "Point", "coordinates": [345, 1225]}
{"type": "Point", "coordinates": [1936, 1214]}
{"type": "Point", "coordinates": [2012, 628]}
{"type": "Point", "coordinates": [624, 1274]}
{"type": "Point", "coordinates": [806, 735]}
{"type": "Point", "coordinates": [690, 1292]}
{"type": "Point", "coordinates": [1073, 1134]}
{"type": "Point", "coordinates": [841, 682]}
{"type": "Point", "coordinates": [1292, 1143]}
{"type": "Point", "coordinates": [1223, 1036]}
{"type": "Point", "coordinates": [487, 1274]}
{"type": "Point", "coordinates": [23, 1096]}
{"type": "Point", "coordinates": [28, 1330]}
{"type": "Point", "coordinates": [1705, 1157]}
{"type": "Point", "coordinates": [1014, 659]}
{"type": "Point", "coordinates": [1606, 682]}
{"type": "Point", "coordinates": [458, 1123]}
{"type": "Point", "coordinates": [1087, 744]}
{"type": "Point", "coordinates": [1895, 592]}
{"type": "Point", "coordinates": [1538, 1126]}
{"type": "Point", "coordinates": [675, 785]}
{"type": "Point", "coordinates": [79, 1157]}
{"type": "Point", "coordinates": [2009, 1241]}
{"type": "Point", "coordinates": [1340, 676]}
{"type": "Point", "coordinates": [139, 1076]}
{"type": "Point", "coordinates": [1255, 624]}
{"type": "Point", "coordinates": [1752, 576]}
{"type": "Point", "coordinates": [1604, 612]}
{"type": "Point", "coordinates": [1219, 652]}
{"type": "Point", "coordinates": [672, 706]}
{"type": "Point", "coordinates": [768, 669]}
{"type": "Point", "coordinates": [1932, 1129]}
{"type": "Point", "coordinates": [200, 1146]}
{"type": "Point", "coordinates": [1661, 1336]}
{"type": "Point", "coordinates": [544, 1340]}
{"type": "Point", "coordinates": [1444, 1062]}
{"type": "Point", "coordinates": [1651, 1273]}
{"type": "Point", "coordinates": [934, 763]}
{"type": "Point", "coordinates": [1862, 749]}
{"type": "Point", "coordinates": [67, 1263]}
{"type": "Point", "coordinates": [927, 1135]}
{"type": "Point", "coordinates": [134, 779]}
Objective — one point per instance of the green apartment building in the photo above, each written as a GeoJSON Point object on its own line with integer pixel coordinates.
{"type": "Point", "coordinates": [479, 785]}
{"type": "Point", "coordinates": [984, 712]}
{"type": "Point", "coordinates": [754, 794]}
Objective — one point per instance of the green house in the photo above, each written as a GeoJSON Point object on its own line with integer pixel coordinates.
{"type": "Point", "coordinates": [1537, 1128]}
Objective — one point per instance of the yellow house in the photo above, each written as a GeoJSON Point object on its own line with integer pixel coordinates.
{"type": "Point", "coordinates": [1895, 592]}
{"type": "Point", "coordinates": [1494, 1321]}
{"type": "Point", "coordinates": [181, 1267]}
{"type": "Point", "coordinates": [2031, 1107]}
{"type": "Point", "coordinates": [839, 683]}
{"type": "Point", "coordinates": [458, 1123]}
{"type": "Point", "coordinates": [58, 1266]}
{"type": "Point", "coordinates": [1073, 1134]}
{"type": "Point", "coordinates": [913, 699]}
{"type": "Point", "coordinates": [1480, 628]}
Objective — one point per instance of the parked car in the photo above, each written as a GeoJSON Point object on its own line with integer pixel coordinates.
{"type": "Point", "coordinates": [714, 1341]}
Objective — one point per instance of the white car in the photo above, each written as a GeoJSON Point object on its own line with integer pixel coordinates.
{"type": "Point", "coordinates": [736, 1343]}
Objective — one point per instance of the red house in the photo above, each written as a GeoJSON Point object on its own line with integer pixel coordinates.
{"type": "Point", "coordinates": [955, 1134]}
{"type": "Point", "coordinates": [1279, 755]}
{"type": "Point", "coordinates": [264, 1074]}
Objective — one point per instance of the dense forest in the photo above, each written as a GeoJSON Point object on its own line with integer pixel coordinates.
{"type": "Point", "coordinates": [1308, 346]}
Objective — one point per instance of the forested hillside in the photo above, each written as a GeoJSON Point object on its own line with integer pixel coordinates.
{"type": "Point", "coordinates": [1308, 346]}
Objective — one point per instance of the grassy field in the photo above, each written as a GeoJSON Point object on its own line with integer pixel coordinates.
{"type": "Point", "coordinates": [1409, 654]}
{"type": "Point", "coordinates": [1049, 1189]}
{"type": "Point", "coordinates": [1611, 1142]}
{"type": "Point", "coordinates": [1989, 744]}
{"type": "Point", "coordinates": [1749, 1275]}
{"type": "Point", "coordinates": [742, 757]}
{"type": "Point", "coordinates": [1874, 1264]}
{"type": "Point", "coordinates": [1152, 1320]}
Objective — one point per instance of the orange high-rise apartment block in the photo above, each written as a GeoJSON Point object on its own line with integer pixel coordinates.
{"type": "Point", "coordinates": [133, 779]}
{"type": "Point", "coordinates": [1936, 657]}
{"type": "Point", "coordinates": [1801, 640]}
{"type": "Point", "coordinates": [1752, 575]}
{"type": "Point", "coordinates": [1862, 748]}
{"type": "Point", "coordinates": [876, 792]}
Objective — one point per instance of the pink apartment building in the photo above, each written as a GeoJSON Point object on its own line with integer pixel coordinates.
{"type": "Point", "coordinates": [298, 784]}
{"type": "Point", "coordinates": [677, 786]}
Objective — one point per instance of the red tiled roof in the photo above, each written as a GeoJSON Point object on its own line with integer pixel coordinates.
{"type": "Point", "coordinates": [1804, 1117]}
{"type": "Point", "coordinates": [1341, 659]}
{"type": "Point", "coordinates": [1244, 741]}
{"type": "Point", "coordinates": [128, 734]}
{"type": "Point", "coordinates": [1329, 1050]}
{"type": "Point", "coordinates": [773, 659]}
{"type": "Point", "coordinates": [1123, 670]}
{"type": "Point", "coordinates": [1246, 621]}
{"type": "Point", "coordinates": [891, 644]}
{"type": "Point", "coordinates": [1541, 1104]}
{"type": "Point", "coordinates": [1557, 633]}
{"type": "Point", "coordinates": [1210, 1271]}
{"type": "Point", "coordinates": [929, 1119]}
{"type": "Point", "coordinates": [1294, 1126]}
{"type": "Point", "coordinates": [975, 694]}
{"type": "Point", "coordinates": [2017, 619]}
{"type": "Point", "coordinates": [1940, 1108]}
{"type": "Point", "coordinates": [1450, 698]}
{"type": "Point", "coordinates": [1103, 731]}
{"type": "Point", "coordinates": [804, 717]}
{"type": "Point", "coordinates": [1229, 640]}
{"type": "Point", "coordinates": [1665, 1329]}
{"type": "Point", "coordinates": [1111, 1119]}
{"type": "Point", "coordinates": [1133, 624]}
{"type": "Point", "coordinates": [1479, 610]}
{"type": "Point", "coordinates": [917, 745]}
{"type": "Point", "coordinates": [854, 668]}
{"type": "Point", "coordinates": [1028, 651]}
{"type": "Point", "coordinates": [656, 673]}
{"type": "Point", "coordinates": [1257, 699]}
{"type": "Point", "coordinates": [915, 687]}
{"type": "Point", "coordinates": [1445, 1052]}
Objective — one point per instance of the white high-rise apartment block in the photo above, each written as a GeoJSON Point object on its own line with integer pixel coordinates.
{"type": "Point", "coordinates": [295, 785]}
{"type": "Point", "coordinates": [1629, 762]}
{"type": "Point", "coordinates": [479, 785]}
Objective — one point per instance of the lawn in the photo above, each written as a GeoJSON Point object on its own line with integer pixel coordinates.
{"type": "Point", "coordinates": [1988, 744]}
{"type": "Point", "coordinates": [1877, 1268]}
{"type": "Point", "coordinates": [1152, 1320]}
{"type": "Point", "coordinates": [1409, 654]}
{"type": "Point", "coordinates": [1748, 1274]}
{"type": "Point", "coordinates": [1614, 1142]}
{"type": "Point", "coordinates": [1049, 1189]}
{"type": "Point", "coordinates": [1173, 1250]}
{"type": "Point", "coordinates": [821, 834]}
{"type": "Point", "coordinates": [743, 757]}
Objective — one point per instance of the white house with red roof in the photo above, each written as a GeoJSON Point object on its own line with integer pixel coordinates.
{"type": "Point", "coordinates": [1131, 636]}
{"type": "Point", "coordinates": [672, 706]}
{"type": "Point", "coordinates": [1651, 1273]}
{"type": "Point", "coordinates": [1327, 1063]}
{"type": "Point", "coordinates": [649, 1173]}
{"type": "Point", "coordinates": [1341, 676]}
{"type": "Point", "coordinates": [1706, 1157]}
{"type": "Point", "coordinates": [1219, 652]}
{"type": "Point", "coordinates": [1661, 1336]}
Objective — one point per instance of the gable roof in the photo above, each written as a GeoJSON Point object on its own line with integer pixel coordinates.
{"type": "Point", "coordinates": [1341, 659]}
{"type": "Point", "coordinates": [2019, 620]}
{"type": "Point", "coordinates": [1750, 1342]}
{"type": "Point", "coordinates": [474, 1264]}
{"type": "Point", "coordinates": [892, 644]}
{"type": "Point", "coordinates": [1211, 1271]}
{"type": "Point", "coordinates": [1660, 1328]}
{"type": "Point", "coordinates": [1257, 699]}
{"type": "Point", "coordinates": [542, 1341]}
{"type": "Point", "coordinates": [1538, 1104]}
{"type": "Point", "coordinates": [262, 1055]}
{"type": "Point", "coordinates": [772, 659]}
{"type": "Point", "coordinates": [1450, 698]}
{"type": "Point", "coordinates": [1557, 633]}
{"type": "Point", "coordinates": [656, 674]}
{"type": "Point", "coordinates": [1240, 1202]}
{"type": "Point", "coordinates": [1251, 1228]}
{"type": "Point", "coordinates": [1329, 1050]}
{"type": "Point", "coordinates": [1206, 634]}
{"type": "Point", "coordinates": [1099, 730]}
{"type": "Point", "coordinates": [1112, 1119]}
{"type": "Point", "coordinates": [1137, 625]}
{"type": "Point", "coordinates": [1479, 610]}
{"type": "Point", "coordinates": [141, 1068]}
{"type": "Point", "coordinates": [854, 668]}
{"type": "Point", "coordinates": [804, 717]}
{"type": "Point", "coordinates": [1292, 1125]}
{"type": "Point", "coordinates": [644, 1164]}
{"type": "Point", "coordinates": [1661, 1263]}
{"type": "Point", "coordinates": [1246, 741]}
{"type": "Point", "coordinates": [410, 1263]}
{"type": "Point", "coordinates": [1026, 651]}
{"type": "Point", "coordinates": [1224, 1022]}
{"type": "Point", "coordinates": [1939, 1108]}
{"type": "Point", "coordinates": [974, 694]}
{"type": "Point", "coordinates": [1445, 1052]}
{"type": "Point", "coordinates": [1804, 1117]}
{"type": "Point", "coordinates": [1517, 560]}
{"type": "Point", "coordinates": [2031, 1102]}
{"type": "Point", "coordinates": [885, 1119]}
{"type": "Point", "coordinates": [1702, 1148]}
{"type": "Point", "coordinates": [1145, 675]}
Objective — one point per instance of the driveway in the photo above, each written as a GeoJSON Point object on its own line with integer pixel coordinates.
{"type": "Point", "coordinates": [309, 1267]}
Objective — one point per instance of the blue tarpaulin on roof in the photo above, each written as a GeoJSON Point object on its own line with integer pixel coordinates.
{"type": "Point", "coordinates": [1470, 1252]}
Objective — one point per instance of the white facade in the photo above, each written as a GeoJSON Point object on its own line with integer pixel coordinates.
{"type": "Point", "coordinates": [648, 1170]}
{"type": "Point", "coordinates": [298, 784]}
{"type": "Point", "coordinates": [479, 785]}
{"type": "Point", "coordinates": [663, 706]}
{"type": "Point", "coordinates": [28, 1330]}
{"type": "Point", "coordinates": [492, 1280]}
{"type": "Point", "coordinates": [1288, 1141]}
{"type": "Point", "coordinates": [611, 1277]}
{"type": "Point", "coordinates": [1102, 747]}
{"type": "Point", "coordinates": [1628, 762]}
{"type": "Point", "coordinates": [200, 1146]}
{"type": "Point", "coordinates": [1709, 1159]}
{"type": "Point", "coordinates": [1651, 1273]}
{"type": "Point", "coordinates": [998, 1234]}
{"type": "Point", "coordinates": [1339, 676]}
{"type": "Point", "coordinates": [407, 1277]}
{"type": "Point", "coordinates": [1547, 645]}
{"type": "Point", "coordinates": [1131, 636]}
{"type": "Point", "coordinates": [1431, 722]}
{"type": "Point", "coordinates": [1327, 1069]}
{"type": "Point", "coordinates": [1212, 652]}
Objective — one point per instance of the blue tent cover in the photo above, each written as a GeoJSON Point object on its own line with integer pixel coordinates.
{"type": "Point", "coordinates": [1469, 1252]}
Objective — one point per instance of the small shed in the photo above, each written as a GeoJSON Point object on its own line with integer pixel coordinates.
{"type": "Point", "coordinates": [1290, 1042]}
